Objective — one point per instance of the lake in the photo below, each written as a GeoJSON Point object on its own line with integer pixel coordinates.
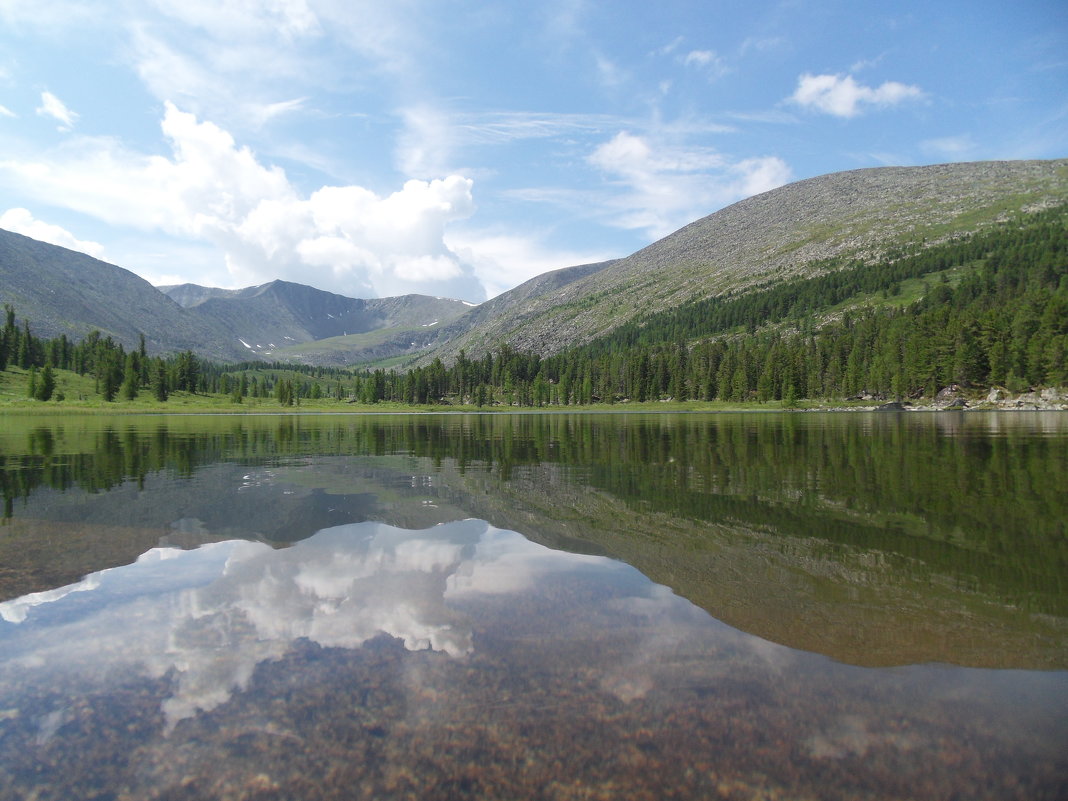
{"type": "Point", "coordinates": [535, 606]}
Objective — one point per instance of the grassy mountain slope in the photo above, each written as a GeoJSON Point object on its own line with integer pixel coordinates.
{"type": "Point", "coordinates": [788, 232]}
{"type": "Point", "coordinates": [514, 306]}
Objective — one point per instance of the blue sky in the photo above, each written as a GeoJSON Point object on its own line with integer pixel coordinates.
{"type": "Point", "coordinates": [458, 148]}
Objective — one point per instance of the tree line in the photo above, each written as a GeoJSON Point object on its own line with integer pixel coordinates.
{"type": "Point", "coordinates": [121, 374]}
{"type": "Point", "coordinates": [115, 370]}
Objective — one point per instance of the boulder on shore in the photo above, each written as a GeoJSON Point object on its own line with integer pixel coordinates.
{"type": "Point", "coordinates": [892, 406]}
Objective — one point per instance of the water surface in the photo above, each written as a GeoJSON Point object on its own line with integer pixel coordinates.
{"type": "Point", "coordinates": [535, 606]}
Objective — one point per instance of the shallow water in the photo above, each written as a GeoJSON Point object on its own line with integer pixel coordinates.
{"type": "Point", "coordinates": [535, 606]}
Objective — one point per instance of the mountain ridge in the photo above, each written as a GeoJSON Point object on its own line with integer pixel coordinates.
{"type": "Point", "coordinates": [797, 230]}
{"type": "Point", "coordinates": [66, 292]}
{"type": "Point", "coordinates": [273, 320]}
{"type": "Point", "coordinates": [857, 214]}
{"type": "Point", "coordinates": [62, 291]}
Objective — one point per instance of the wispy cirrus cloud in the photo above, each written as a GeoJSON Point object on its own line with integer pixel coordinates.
{"type": "Point", "coordinates": [499, 127]}
{"type": "Point", "coordinates": [842, 96]}
{"type": "Point", "coordinates": [949, 147]}
{"type": "Point", "coordinates": [708, 61]}
{"type": "Point", "coordinates": [52, 106]}
{"type": "Point", "coordinates": [661, 186]}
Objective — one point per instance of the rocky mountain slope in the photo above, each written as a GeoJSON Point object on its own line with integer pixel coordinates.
{"type": "Point", "coordinates": [274, 320]}
{"type": "Point", "coordinates": [861, 214]}
{"type": "Point", "coordinates": [62, 291]}
{"type": "Point", "coordinates": [513, 306]}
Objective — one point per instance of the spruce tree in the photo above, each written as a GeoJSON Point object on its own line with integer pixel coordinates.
{"type": "Point", "coordinates": [142, 361]}
{"type": "Point", "coordinates": [9, 337]}
{"type": "Point", "coordinates": [159, 381]}
{"type": "Point", "coordinates": [25, 343]}
{"type": "Point", "coordinates": [47, 383]}
{"type": "Point", "coordinates": [131, 378]}
{"type": "Point", "coordinates": [109, 384]}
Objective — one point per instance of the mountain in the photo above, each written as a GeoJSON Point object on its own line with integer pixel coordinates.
{"type": "Point", "coordinates": [512, 306]}
{"type": "Point", "coordinates": [860, 215]}
{"type": "Point", "coordinates": [61, 291]}
{"type": "Point", "coordinates": [288, 321]}
{"type": "Point", "coordinates": [803, 229]}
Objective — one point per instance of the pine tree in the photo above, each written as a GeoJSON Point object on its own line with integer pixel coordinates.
{"type": "Point", "coordinates": [142, 361]}
{"type": "Point", "coordinates": [159, 381]}
{"type": "Point", "coordinates": [47, 383]}
{"type": "Point", "coordinates": [25, 346]}
{"type": "Point", "coordinates": [131, 378]}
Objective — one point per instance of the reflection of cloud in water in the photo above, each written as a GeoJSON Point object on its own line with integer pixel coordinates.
{"type": "Point", "coordinates": [210, 616]}
{"type": "Point", "coordinates": [15, 611]}
{"type": "Point", "coordinates": [852, 736]}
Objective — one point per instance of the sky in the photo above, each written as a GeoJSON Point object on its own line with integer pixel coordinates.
{"type": "Point", "coordinates": [458, 148]}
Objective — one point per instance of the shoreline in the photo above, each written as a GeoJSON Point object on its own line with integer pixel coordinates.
{"type": "Point", "coordinates": [94, 411]}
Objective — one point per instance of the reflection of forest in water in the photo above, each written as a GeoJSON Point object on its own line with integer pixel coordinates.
{"type": "Point", "coordinates": [910, 509]}
{"type": "Point", "coordinates": [988, 491]}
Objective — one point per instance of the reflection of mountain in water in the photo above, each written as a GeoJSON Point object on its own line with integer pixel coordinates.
{"type": "Point", "coordinates": [873, 539]}
{"type": "Point", "coordinates": [464, 661]}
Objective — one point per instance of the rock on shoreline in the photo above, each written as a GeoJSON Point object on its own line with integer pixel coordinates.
{"type": "Point", "coordinates": [953, 398]}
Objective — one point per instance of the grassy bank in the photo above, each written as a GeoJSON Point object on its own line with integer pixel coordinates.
{"type": "Point", "coordinates": [77, 394]}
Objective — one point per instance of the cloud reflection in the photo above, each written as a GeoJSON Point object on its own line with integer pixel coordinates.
{"type": "Point", "coordinates": [209, 616]}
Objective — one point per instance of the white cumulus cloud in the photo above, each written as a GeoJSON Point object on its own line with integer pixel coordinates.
{"type": "Point", "coordinates": [345, 239]}
{"type": "Point", "coordinates": [842, 96]}
{"type": "Point", "coordinates": [21, 221]}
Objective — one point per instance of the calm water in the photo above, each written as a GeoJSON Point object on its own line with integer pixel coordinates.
{"type": "Point", "coordinates": [535, 606]}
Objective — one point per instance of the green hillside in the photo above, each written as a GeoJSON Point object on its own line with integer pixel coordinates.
{"type": "Point", "coordinates": [796, 231]}
{"type": "Point", "coordinates": [990, 309]}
